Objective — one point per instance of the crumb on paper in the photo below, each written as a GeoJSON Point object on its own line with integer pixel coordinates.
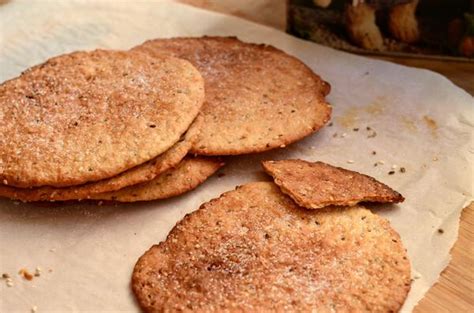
{"type": "Point", "coordinates": [350, 161]}
{"type": "Point", "coordinates": [334, 135]}
{"type": "Point", "coordinates": [52, 250]}
{"type": "Point", "coordinates": [372, 134]}
{"type": "Point", "coordinates": [5, 276]}
{"type": "Point", "coordinates": [394, 166]}
{"type": "Point", "coordinates": [403, 170]}
{"type": "Point", "coordinates": [374, 152]}
{"type": "Point", "coordinates": [435, 159]}
{"type": "Point", "coordinates": [38, 271]}
{"type": "Point", "coordinates": [440, 231]}
{"type": "Point", "coordinates": [356, 129]}
{"type": "Point", "coordinates": [344, 135]}
{"type": "Point", "coordinates": [9, 282]}
{"type": "Point", "coordinates": [330, 124]}
{"type": "Point", "coordinates": [391, 172]}
{"type": "Point", "coordinates": [379, 162]}
{"type": "Point", "coordinates": [26, 275]}
{"type": "Point", "coordinates": [34, 309]}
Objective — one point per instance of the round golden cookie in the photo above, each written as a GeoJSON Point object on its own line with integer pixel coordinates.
{"type": "Point", "coordinates": [187, 175]}
{"type": "Point", "coordinates": [257, 97]}
{"type": "Point", "coordinates": [88, 116]}
{"type": "Point", "coordinates": [254, 250]}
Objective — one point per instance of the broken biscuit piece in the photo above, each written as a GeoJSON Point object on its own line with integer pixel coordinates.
{"type": "Point", "coordinates": [315, 185]}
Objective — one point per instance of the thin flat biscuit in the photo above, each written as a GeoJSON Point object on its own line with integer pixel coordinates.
{"type": "Point", "coordinates": [257, 97]}
{"type": "Point", "coordinates": [254, 250]}
{"type": "Point", "coordinates": [88, 116]}
{"type": "Point", "coordinates": [139, 174]}
{"type": "Point", "coordinates": [189, 174]}
{"type": "Point", "coordinates": [317, 185]}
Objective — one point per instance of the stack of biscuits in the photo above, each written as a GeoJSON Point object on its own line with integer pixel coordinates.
{"type": "Point", "coordinates": [152, 122]}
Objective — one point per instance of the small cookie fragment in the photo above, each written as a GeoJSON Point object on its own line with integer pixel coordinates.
{"type": "Point", "coordinates": [187, 175]}
{"type": "Point", "coordinates": [25, 274]}
{"type": "Point", "coordinates": [254, 250]}
{"type": "Point", "coordinates": [315, 185]}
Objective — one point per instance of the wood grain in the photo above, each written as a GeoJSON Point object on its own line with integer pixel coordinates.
{"type": "Point", "coordinates": [454, 292]}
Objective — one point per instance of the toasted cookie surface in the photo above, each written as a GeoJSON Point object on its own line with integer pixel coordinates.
{"type": "Point", "coordinates": [136, 175]}
{"type": "Point", "coordinates": [88, 116]}
{"type": "Point", "coordinates": [187, 175]}
{"type": "Point", "coordinates": [317, 185]}
{"type": "Point", "coordinates": [257, 97]}
{"type": "Point", "coordinates": [254, 250]}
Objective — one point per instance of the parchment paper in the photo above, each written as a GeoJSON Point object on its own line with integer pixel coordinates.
{"type": "Point", "coordinates": [86, 253]}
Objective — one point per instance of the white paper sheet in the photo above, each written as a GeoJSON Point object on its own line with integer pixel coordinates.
{"type": "Point", "coordinates": [423, 123]}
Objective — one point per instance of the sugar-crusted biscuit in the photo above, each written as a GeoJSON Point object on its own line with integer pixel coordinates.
{"type": "Point", "coordinates": [136, 175]}
{"type": "Point", "coordinates": [254, 250]}
{"type": "Point", "coordinates": [257, 97]}
{"type": "Point", "coordinates": [87, 116]}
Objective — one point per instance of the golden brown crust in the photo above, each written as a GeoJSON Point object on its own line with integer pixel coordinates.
{"type": "Point", "coordinates": [315, 185]}
{"type": "Point", "coordinates": [139, 174]}
{"type": "Point", "coordinates": [257, 97]}
{"type": "Point", "coordinates": [187, 175]}
{"type": "Point", "coordinates": [88, 116]}
{"type": "Point", "coordinates": [254, 250]}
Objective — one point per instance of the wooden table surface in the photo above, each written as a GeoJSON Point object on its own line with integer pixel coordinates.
{"type": "Point", "coordinates": [454, 291]}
